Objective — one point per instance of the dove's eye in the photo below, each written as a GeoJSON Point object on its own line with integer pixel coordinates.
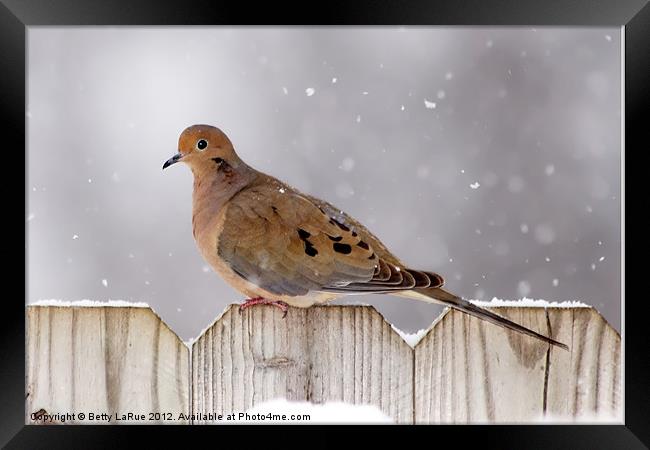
{"type": "Point", "coordinates": [201, 144]}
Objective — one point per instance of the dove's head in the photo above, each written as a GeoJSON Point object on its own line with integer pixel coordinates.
{"type": "Point", "coordinates": [203, 147]}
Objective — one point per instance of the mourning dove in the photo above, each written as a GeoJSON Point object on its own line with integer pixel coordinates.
{"type": "Point", "coordinates": [279, 246]}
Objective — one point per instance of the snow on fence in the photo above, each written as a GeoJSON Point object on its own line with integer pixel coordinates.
{"type": "Point", "coordinates": [124, 365]}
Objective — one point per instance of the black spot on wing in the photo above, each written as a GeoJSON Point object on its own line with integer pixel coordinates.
{"type": "Point", "coordinates": [342, 248]}
{"type": "Point", "coordinates": [310, 250]}
{"type": "Point", "coordinates": [335, 239]}
{"type": "Point", "coordinates": [363, 245]}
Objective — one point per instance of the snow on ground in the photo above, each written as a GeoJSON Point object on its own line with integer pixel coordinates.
{"type": "Point", "coordinates": [330, 412]}
{"type": "Point", "coordinates": [93, 303]}
{"type": "Point", "coordinates": [602, 417]}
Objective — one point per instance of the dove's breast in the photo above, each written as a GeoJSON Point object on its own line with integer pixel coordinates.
{"type": "Point", "coordinates": [208, 232]}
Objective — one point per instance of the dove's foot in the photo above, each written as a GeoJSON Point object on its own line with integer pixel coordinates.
{"type": "Point", "coordinates": [263, 301]}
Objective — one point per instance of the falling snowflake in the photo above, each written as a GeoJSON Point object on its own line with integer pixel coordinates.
{"type": "Point", "coordinates": [429, 105]}
{"type": "Point", "coordinates": [105, 282]}
{"type": "Point", "coordinates": [475, 185]}
{"type": "Point", "coordinates": [347, 164]}
{"type": "Point", "coordinates": [310, 91]}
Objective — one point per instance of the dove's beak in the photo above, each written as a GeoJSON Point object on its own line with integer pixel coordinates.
{"type": "Point", "coordinates": [173, 160]}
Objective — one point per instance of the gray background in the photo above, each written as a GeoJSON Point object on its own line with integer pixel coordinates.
{"type": "Point", "coordinates": [531, 115]}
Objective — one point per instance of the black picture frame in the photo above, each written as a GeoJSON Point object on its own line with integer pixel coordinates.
{"type": "Point", "coordinates": [17, 15]}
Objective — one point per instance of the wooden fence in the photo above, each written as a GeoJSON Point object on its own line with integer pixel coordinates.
{"type": "Point", "coordinates": [126, 363]}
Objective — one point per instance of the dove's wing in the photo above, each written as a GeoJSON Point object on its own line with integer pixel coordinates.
{"type": "Point", "coordinates": [289, 244]}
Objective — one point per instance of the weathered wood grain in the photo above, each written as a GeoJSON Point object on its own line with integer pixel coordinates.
{"type": "Point", "coordinates": [104, 360]}
{"type": "Point", "coordinates": [324, 353]}
{"type": "Point", "coordinates": [585, 385]}
{"type": "Point", "coordinates": [469, 371]}
{"type": "Point", "coordinates": [120, 360]}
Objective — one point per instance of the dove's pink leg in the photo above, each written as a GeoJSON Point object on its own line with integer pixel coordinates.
{"type": "Point", "coordinates": [263, 301]}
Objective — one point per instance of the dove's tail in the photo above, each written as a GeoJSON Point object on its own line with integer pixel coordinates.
{"type": "Point", "coordinates": [439, 295]}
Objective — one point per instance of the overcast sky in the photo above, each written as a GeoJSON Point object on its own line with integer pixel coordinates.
{"type": "Point", "coordinates": [489, 155]}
